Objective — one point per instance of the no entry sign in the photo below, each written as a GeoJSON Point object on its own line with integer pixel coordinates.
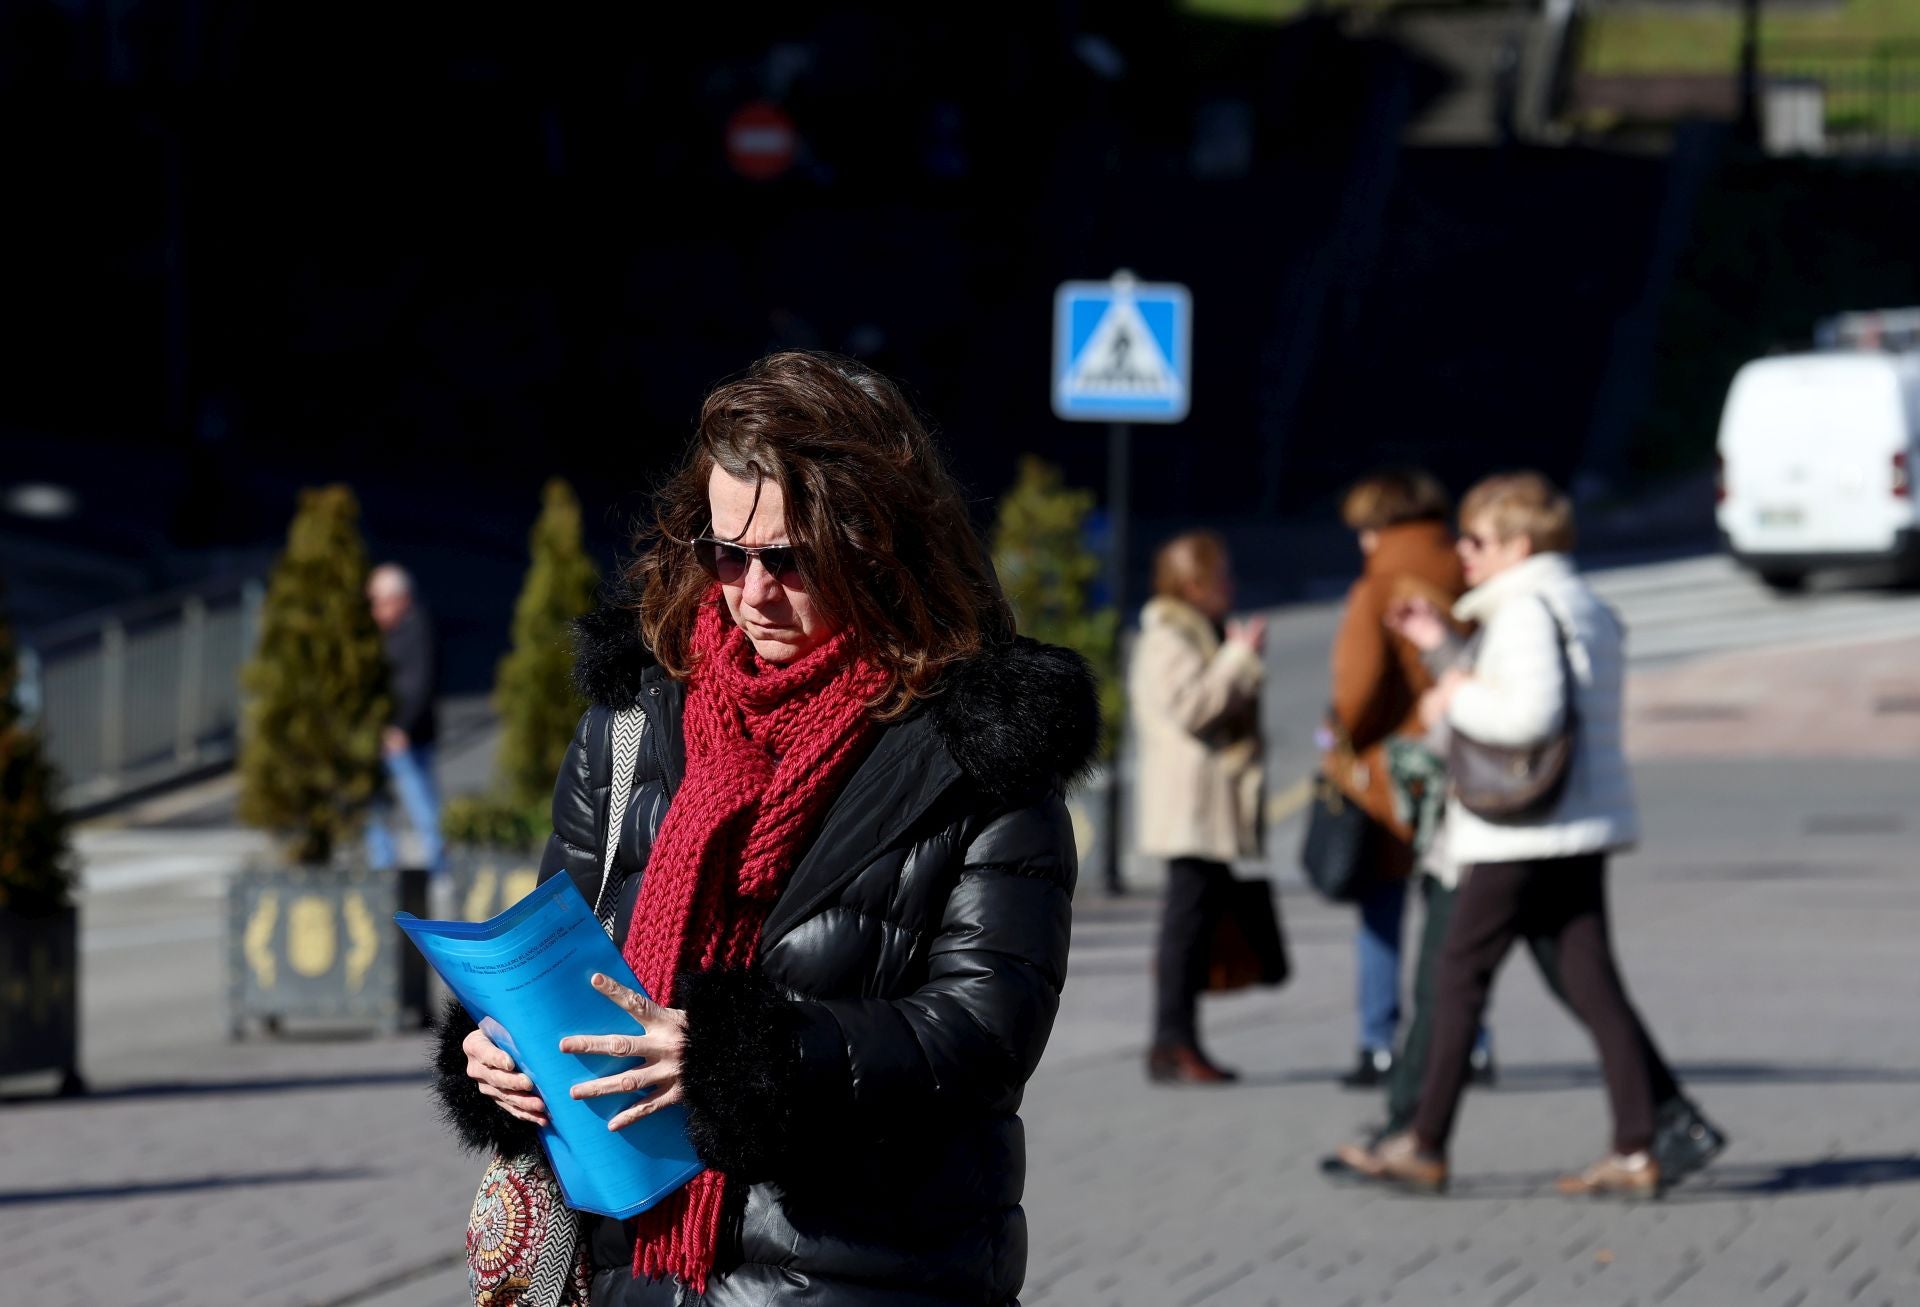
{"type": "Point", "coordinates": [760, 141]}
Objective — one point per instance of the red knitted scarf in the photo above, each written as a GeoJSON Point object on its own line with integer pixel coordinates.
{"type": "Point", "coordinates": [768, 748]}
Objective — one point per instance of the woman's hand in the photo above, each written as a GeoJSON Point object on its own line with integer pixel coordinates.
{"type": "Point", "coordinates": [1435, 702]}
{"type": "Point", "coordinates": [1419, 621]}
{"type": "Point", "coordinates": [489, 1066]}
{"type": "Point", "coordinates": [1251, 632]}
{"type": "Point", "coordinates": [659, 1047]}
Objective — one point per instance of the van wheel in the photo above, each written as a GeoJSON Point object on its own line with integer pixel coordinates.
{"type": "Point", "coordinates": [1784, 582]}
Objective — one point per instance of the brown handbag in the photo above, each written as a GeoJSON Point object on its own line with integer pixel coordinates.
{"type": "Point", "coordinates": [1249, 947]}
{"type": "Point", "coordinates": [1507, 783]}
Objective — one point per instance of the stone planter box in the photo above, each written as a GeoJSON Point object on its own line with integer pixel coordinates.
{"type": "Point", "coordinates": [40, 996]}
{"type": "Point", "coordinates": [487, 880]}
{"type": "Point", "coordinates": [1090, 806]}
{"type": "Point", "coordinates": [318, 944]}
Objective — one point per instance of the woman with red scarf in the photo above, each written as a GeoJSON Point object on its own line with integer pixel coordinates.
{"type": "Point", "coordinates": [844, 868]}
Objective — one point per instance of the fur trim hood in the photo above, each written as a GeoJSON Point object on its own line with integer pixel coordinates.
{"type": "Point", "coordinates": [1021, 719]}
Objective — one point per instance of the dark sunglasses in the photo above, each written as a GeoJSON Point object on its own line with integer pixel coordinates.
{"type": "Point", "coordinates": [728, 563]}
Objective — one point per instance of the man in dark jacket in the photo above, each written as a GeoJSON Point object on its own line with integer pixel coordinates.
{"type": "Point", "coordinates": [413, 681]}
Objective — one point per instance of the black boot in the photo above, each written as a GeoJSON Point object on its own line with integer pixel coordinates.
{"type": "Point", "coordinates": [1371, 1072]}
{"type": "Point", "coordinates": [1683, 1139]}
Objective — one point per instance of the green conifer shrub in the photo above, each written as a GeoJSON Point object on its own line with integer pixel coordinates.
{"type": "Point", "coordinates": [533, 689]}
{"type": "Point", "coordinates": [487, 819]}
{"type": "Point", "coordinates": [316, 686]}
{"type": "Point", "coordinates": [1048, 573]}
{"type": "Point", "coordinates": [36, 861]}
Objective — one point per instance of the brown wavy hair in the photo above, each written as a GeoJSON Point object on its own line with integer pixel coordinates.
{"type": "Point", "coordinates": [1392, 497]}
{"type": "Point", "coordinates": [1187, 558]}
{"type": "Point", "coordinates": [887, 547]}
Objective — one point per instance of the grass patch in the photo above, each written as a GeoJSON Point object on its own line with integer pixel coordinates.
{"type": "Point", "coordinates": [1707, 42]}
{"type": "Point", "coordinates": [1654, 42]}
{"type": "Point", "coordinates": [1829, 45]}
{"type": "Point", "coordinates": [1259, 11]}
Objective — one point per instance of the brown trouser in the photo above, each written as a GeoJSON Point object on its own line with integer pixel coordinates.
{"type": "Point", "coordinates": [1563, 900]}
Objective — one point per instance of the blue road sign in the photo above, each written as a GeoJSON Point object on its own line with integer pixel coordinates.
{"type": "Point", "coordinates": [1121, 350]}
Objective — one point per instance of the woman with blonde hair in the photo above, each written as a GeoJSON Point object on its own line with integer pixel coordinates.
{"type": "Point", "coordinates": [1548, 669]}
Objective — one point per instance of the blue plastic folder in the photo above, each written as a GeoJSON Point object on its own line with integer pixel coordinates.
{"type": "Point", "coordinates": [526, 977]}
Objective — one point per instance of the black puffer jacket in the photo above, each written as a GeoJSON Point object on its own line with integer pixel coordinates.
{"type": "Point", "coordinates": [864, 1078]}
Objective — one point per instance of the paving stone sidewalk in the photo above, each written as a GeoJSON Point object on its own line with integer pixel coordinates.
{"type": "Point", "coordinates": [1768, 932]}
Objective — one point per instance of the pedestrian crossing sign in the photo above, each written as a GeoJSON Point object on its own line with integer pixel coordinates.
{"type": "Point", "coordinates": [1121, 350]}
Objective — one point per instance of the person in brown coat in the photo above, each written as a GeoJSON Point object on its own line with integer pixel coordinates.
{"type": "Point", "coordinates": [1400, 517]}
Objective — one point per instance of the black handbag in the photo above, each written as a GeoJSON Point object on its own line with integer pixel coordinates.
{"type": "Point", "coordinates": [1506, 783]}
{"type": "Point", "coordinates": [1248, 945]}
{"type": "Point", "coordinates": [1338, 851]}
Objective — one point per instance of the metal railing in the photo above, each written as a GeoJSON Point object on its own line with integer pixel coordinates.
{"type": "Point", "coordinates": [1868, 92]}
{"type": "Point", "coordinates": [144, 693]}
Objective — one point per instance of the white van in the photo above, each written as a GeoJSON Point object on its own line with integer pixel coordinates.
{"type": "Point", "coordinates": [1817, 457]}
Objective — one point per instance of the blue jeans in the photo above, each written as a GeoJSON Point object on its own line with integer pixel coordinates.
{"type": "Point", "coordinates": [1377, 951]}
{"type": "Point", "coordinates": [1377, 946]}
{"type": "Point", "coordinates": [411, 781]}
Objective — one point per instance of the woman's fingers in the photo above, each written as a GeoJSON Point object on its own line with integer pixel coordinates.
{"type": "Point", "coordinates": [646, 1108]}
{"type": "Point", "coordinates": [509, 1081]}
{"type": "Point", "coordinates": [479, 1048]}
{"type": "Point", "coordinates": [610, 1045]}
{"type": "Point", "coordinates": [651, 1047]}
{"type": "Point", "coordinates": [634, 1003]}
{"type": "Point", "coordinates": [528, 1107]}
{"type": "Point", "coordinates": [636, 1080]}
{"type": "Point", "coordinates": [522, 1114]}
{"type": "Point", "coordinates": [526, 1104]}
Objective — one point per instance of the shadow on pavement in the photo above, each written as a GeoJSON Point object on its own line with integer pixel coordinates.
{"type": "Point", "coordinates": [214, 1088]}
{"type": "Point", "coordinates": [1542, 1078]}
{"type": "Point", "coordinates": [1721, 1183]}
{"type": "Point", "coordinates": [1549, 1077]}
{"type": "Point", "coordinates": [1748, 1181]}
{"type": "Point", "coordinates": [149, 1188]}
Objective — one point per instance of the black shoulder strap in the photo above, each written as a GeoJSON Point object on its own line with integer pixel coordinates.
{"type": "Point", "coordinates": [1562, 639]}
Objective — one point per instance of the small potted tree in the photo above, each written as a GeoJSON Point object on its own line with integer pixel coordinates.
{"type": "Point", "coordinates": [493, 840]}
{"type": "Point", "coordinates": [39, 927]}
{"type": "Point", "coordinates": [312, 935]}
{"type": "Point", "coordinates": [1048, 573]}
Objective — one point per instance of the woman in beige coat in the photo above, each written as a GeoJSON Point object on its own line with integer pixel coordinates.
{"type": "Point", "coordinates": [1195, 692]}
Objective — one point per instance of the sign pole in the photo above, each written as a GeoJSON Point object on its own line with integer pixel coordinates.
{"type": "Point", "coordinates": [1122, 354]}
{"type": "Point", "coordinates": [1119, 493]}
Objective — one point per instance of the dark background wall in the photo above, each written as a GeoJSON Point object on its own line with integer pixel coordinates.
{"type": "Point", "coordinates": [443, 254]}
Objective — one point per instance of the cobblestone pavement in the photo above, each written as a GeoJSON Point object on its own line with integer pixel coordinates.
{"type": "Point", "coordinates": [1795, 702]}
{"type": "Point", "coordinates": [1776, 1009]}
{"type": "Point", "coordinates": [1768, 932]}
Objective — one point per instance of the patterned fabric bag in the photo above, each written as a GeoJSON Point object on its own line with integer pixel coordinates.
{"type": "Point", "coordinates": [1419, 778]}
{"type": "Point", "coordinates": [525, 1246]}
{"type": "Point", "coordinates": [523, 1242]}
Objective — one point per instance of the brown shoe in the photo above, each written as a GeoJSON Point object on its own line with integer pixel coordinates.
{"type": "Point", "coordinates": [1631, 1175]}
{"type": "Point", "coordinates": [1183, 1064]}
{"type": "Point", "coordinates": [1396, 1160]}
